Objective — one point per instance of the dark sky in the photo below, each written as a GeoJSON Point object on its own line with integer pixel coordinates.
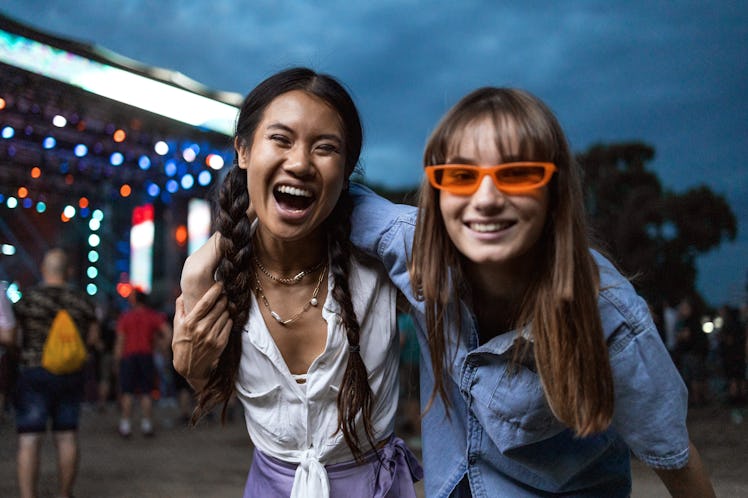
{"type": "Point", "coordinates": [673, 74]}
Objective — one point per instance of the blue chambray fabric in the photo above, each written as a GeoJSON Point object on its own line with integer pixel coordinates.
{"type": "Point", "coordinates": [500, 433]}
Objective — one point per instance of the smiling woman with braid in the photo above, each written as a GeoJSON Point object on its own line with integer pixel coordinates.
{"type": "Point", "coordinates": [304, 332]}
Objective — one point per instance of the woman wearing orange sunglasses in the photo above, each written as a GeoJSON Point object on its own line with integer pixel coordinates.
{"type": "Point", "coordinates": [541, 368]}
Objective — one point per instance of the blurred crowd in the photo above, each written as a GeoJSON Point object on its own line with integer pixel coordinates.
{"type": "Point", "coordinates": [709, 350]}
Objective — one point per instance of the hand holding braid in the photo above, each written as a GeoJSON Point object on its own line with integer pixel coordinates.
{"type": "Point", "coordinates": [201, 320]}
{"type": "Point", "coordinates": [200, 335]}
{"type": "Point", "coordinates": [234, 224]}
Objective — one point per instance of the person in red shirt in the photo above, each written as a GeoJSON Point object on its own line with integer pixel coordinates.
{"type": "Point", "coordinates": [139, 331]}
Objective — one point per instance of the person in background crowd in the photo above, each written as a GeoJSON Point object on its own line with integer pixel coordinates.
{"type": "Point", "coordinates": [106, 370]}
{"type": "Point", "coordinates": [691, 350]}
{"type": "Point", "coordinates": [410, 417]}
{"type": "Point", "coordinates": [732, 349]}
{"type": "Point", "coordinates": [41, 395]}
{"type": "Point", "coordinates": [8, 349]}
{"type": "Point", "coordinates": [140, 330]}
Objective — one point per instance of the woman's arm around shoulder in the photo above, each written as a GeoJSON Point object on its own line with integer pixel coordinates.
{"type": "Point", "coordinates": [384, 230]}
{"type": "Point", "coordinates": [375, 220]}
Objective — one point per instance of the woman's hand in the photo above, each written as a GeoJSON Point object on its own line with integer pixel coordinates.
{"type": "Point", "coordinates": [198, 271]}
{"type": "Point", "coordinates": [201, 335]}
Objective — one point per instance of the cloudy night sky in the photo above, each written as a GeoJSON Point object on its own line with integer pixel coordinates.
{"type": "Point", "coordinates": [673, 74]}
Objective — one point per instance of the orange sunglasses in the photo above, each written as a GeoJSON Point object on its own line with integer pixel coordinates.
{"type": "Point", "coordinates": [510, 178]}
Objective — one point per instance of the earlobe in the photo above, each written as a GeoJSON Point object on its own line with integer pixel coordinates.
{"type": "Point", "coordinates": [241, 150]}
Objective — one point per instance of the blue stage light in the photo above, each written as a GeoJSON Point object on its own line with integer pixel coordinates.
{"type": "Point", "coordinates": [204, 178]}
{"type": "Point", "coordinates": [188, 181]}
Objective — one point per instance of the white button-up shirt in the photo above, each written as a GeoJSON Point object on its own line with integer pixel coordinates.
{"type": "Point", "coordinates": [298, 422]}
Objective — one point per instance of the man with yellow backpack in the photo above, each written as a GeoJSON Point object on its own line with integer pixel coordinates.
{"type": "Point", "coordinates": [56, 323]}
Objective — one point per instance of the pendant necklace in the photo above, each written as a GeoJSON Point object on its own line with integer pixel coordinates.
{"type": "Point", "coordinates": [291, 280]}
{"type": "Point", "coordinates": [307, 305]}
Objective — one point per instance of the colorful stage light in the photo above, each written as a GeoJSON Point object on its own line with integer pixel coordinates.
{"type": "Point", "coordinates": [170, 167]}
{"type": "Point", "coordinates": [153, 189]}
{"type": "Point", "coordinates": [161, 148]}
{"type": "Point", "coordinates": [187, 181]}
{"type": "Point", "coordinates": [119, 136]}
{"type": "Point", "coordinates": [116, 159]}
{"type": "Point", "coordinates": [80, 150]}
{"type": "Point", "coordinates": [190, 153]}
{"type": "Point", "coordinates": [180, 235]}
{"type": "Point", "coordinates": [204, 178]}
{"type": "Point", "coordinates": [214, 161]}
{"type": "Point", "coordinates": [144, 162]}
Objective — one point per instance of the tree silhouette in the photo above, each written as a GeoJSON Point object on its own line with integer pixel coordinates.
{"type": "Point", "coordinates": [654, 234]}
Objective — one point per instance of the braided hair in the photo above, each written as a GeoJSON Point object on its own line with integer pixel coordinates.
{"type": "Point", "coordinates": [355, 394]}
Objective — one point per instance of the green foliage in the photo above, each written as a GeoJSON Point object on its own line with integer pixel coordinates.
{"type": "Point", "coordinates": [652, 233]}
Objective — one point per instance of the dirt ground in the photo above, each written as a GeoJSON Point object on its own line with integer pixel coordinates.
{"type": "Point", "coordinates": [212, 461]}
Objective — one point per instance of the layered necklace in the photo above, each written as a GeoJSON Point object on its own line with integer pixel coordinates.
{"type": "Point", "coordinates": [289, 281]}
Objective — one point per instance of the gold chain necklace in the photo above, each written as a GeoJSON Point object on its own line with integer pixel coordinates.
{"type": "Point", "coordinates": [307, 305]}
{"type": "Point", "coordinates": [291, 280]}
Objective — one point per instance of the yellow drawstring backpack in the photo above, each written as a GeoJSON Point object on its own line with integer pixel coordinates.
{"type": "Point", "coordinates": [64, 351]}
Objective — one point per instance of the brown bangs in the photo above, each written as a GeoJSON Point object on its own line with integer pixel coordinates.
{"type": "Point", "coordinates": [519, 127]}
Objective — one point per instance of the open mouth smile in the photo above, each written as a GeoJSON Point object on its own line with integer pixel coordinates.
{"type": "Point", "coordinates": [293, 198]}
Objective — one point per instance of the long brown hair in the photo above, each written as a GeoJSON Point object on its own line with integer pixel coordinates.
{"type": "Point", "coordinates": [560, 304]}
{"type": "Point", "coordinates": [355, 394]}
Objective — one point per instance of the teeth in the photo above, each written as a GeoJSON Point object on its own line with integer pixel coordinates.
{"type": "Point", "coordinates": [285, 189]}
{"type": "Point", "coordinates": [488, 227]}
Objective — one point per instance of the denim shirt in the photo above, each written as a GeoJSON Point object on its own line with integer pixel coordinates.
{"type": "Point", "coordinates": [501, 433]}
